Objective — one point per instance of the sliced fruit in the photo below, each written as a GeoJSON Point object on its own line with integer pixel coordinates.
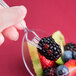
{"type": "Point", "coordinates": [59, 39]}
{"type": "Point", "coordinates": [60, 61]}
{"type": "Point", "coordinates": [71, 65]}
{"type": "Point", "coordinates": [45, 62]}
{"type": "Point", "coordinates": [35, 60]}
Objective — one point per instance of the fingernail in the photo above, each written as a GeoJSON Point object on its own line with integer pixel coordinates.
{"type": "Point", "coordinates": [16, 38]}
{"type": "Point", "coordinates": [1, 39]}
{"type": "Point", "coordinates": [22, 10]}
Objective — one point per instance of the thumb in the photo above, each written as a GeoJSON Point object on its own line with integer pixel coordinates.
{"type": "Point", "coordinates": [11, 16]}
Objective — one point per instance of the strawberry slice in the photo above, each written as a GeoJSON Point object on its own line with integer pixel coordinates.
{"type": "Point", "coordinates": [45, 62]}
{"type": "Point", "coordinates": [71, 65]}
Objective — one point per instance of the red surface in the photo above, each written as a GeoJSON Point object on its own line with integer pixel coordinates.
{"type": "Point", "coordinates": [48, 15]}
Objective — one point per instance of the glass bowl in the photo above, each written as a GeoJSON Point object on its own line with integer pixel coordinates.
{"type": "Point", "coordinates": [26, 56]}
{"type": "Point", "coordinates": [25, 52]}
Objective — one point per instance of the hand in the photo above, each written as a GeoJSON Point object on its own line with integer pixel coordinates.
{"type": "Point", "coordinates": [10, 19]}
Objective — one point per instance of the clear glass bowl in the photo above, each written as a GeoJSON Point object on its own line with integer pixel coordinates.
{"type": "Point", "coordinates": [25, 52]}
{"type": "Point", "coordinates": [26, 56]}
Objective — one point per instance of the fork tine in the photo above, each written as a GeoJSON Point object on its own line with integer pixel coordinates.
{"type": "Point", "coordinates": [36, 35]}
{"type": "Point", "coordinates": [35, 40]}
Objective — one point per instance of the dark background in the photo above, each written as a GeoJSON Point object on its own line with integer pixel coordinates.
{"type": "Point", "coordinates": [48, 15]}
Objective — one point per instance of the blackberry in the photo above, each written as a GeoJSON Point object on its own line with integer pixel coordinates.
{"type": "Point", "coordinates": [50, 71]}
{"type": "Point", "coordinates": [70, 46]}
{"type": "Point", "coordinates": [50, 49]}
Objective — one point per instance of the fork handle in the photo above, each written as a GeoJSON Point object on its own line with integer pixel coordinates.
{"type": "Point", "coordinates": [3, 4]}
{"type": "Point", "coordinates": [6, 6]}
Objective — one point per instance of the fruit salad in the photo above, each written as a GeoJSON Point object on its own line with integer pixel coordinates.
{"type": "Point", "coordinates": [56, 58]}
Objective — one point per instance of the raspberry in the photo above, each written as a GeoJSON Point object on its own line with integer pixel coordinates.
{"type": "Point", "coordinates": [50, 49]}
{"type": "Point", "coordinates": [70, 46]}
{"type": "Point", "coordinates": [45, 62]}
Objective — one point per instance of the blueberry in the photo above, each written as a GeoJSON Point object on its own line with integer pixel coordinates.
{"type": "Point", "coordinates": [67, 55]}
{"type": "Point", "coordinates": [74, 54]}
{"type": "Point", "coordinates": [62, 70]}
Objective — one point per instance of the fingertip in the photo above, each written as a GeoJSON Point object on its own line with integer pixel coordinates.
{"type": "Point", "coordinates": [23, 10]}
{"type": "Point", "coordinates": [11, 33]}
{"type": "Point", "coordinates": [1, 39]}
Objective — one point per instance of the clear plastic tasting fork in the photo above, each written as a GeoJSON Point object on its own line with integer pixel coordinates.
{"type": "Point", "coordinates": [30, 35]}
